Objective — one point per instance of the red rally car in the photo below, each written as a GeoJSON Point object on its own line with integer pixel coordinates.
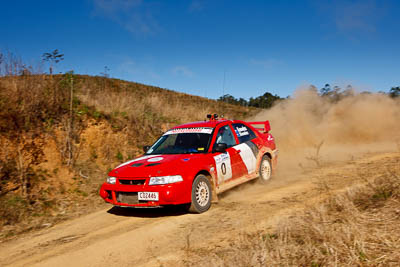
{"type": "Point", "coordinates": [192, 163]}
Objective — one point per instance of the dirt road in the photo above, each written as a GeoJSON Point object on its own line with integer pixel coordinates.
{"type": "Point", "coordinates": [154, 237]}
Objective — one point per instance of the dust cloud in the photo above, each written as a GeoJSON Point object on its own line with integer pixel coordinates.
{"type": "Point", "coordinates": [343, 130]}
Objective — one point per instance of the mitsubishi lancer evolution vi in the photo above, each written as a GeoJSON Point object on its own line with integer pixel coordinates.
{"type": "Point", "coordinates": [191, 164]}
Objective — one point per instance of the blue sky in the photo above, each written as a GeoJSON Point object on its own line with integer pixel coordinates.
{"type": "Point", "coordinates": [188, 45]}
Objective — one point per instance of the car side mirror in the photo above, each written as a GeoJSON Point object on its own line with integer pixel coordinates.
{"type": "Point", "coordinates": [221, 147]}
{"type": "Point", "coordinates": [145, 148]}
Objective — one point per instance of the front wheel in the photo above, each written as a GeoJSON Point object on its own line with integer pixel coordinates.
{"type": "Point", "coordinates": [265, 169]}
{"type": "Point", "coordinates": [201, 194]}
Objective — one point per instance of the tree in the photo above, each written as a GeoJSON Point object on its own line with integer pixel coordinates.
{"type": "Point", "coordinates": [349, 91]}
{"type": "Point", "coordinates": [264, 101]}
{"type": "Point", "coordinates": [25, 70]}
{"type": "Point", "coordinates": [52, 57]}
{"type": "Point", "coordinates": [243, 102]}
{"type": "Point", "coordinates": [394, 92]}
{"type": "Point", "coordinates": [105, 74]}
{"type": "Point", "coordinates": [227, 98]}
{"type": "Point", "coordinates": [336, 93]}
{"type": "Point", "coordinates": [326, 90]}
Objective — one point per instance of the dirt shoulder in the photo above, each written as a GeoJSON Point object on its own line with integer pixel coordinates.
{"type": "Point", "coordinates": [153, 237]}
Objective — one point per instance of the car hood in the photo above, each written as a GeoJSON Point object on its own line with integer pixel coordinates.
{"type": "Point", "coordinates": [154, 165]}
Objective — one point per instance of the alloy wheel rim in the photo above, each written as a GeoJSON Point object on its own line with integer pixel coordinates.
{"type": "Point", "coordinates": [202, 194]}
{"type": "Point", "coordinates": [266, 170]}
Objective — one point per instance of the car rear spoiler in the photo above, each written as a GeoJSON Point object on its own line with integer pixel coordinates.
{"type": "Point", "coordinates": [267, 126]}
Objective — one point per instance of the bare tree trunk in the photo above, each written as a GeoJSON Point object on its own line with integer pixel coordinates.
{"type": "Point", "coordinates": [71, 124]}
{"type": "Point", "coordinates": [22, 176]}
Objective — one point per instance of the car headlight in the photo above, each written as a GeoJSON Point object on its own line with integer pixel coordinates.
{"type": "Point", "coordinates": [165, 179]}
{"type": "Point", "coordinates": [111, 180]}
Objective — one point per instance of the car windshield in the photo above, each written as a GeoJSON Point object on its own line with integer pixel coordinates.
{"type": "Point", "coordinates": [182, 141]}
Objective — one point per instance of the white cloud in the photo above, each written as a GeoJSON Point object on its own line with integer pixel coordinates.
{"type": "Point", "coordinates": [352, 18]}
{"type": "Point", "coordinates": [130, 14]}
{"type": "Point", "coordinates": [182, 71]}
{"type": "Point", "coordinates": [355, 16]}
{"type": "Point", "coordinates": [113, 7]}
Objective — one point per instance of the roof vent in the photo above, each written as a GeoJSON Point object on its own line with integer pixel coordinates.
{"type": "Point", "coordinates": [137, 165]}
{"type": "Point", "coordinates": [153, 164]}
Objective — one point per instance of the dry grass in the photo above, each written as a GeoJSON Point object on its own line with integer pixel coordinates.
{"type": "Point", "coordinates": [57, 149]}
{"type": "Point", "coordinates": [356, 228]}
{"type": "Point", "coordinates": [152, 104]}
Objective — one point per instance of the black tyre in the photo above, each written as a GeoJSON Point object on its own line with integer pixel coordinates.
{"type": "Point", "coordinates": [201, 194]}
{"type": "Point", "coordinates": [265, 169]}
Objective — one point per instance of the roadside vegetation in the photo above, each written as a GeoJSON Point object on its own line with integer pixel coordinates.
{"type": "Point", "coordinates": [359, 227]}
{"type": "Point", "coordinates": [61, 133]}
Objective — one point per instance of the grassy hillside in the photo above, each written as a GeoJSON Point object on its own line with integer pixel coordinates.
{"type": "Point", "coordinates": [61, 134]}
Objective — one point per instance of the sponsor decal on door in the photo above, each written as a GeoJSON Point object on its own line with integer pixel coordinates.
{"type": "Point", "coordinates": [224, 167]}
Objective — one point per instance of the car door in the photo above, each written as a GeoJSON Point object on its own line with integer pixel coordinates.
{"type": "Point", "coordinates": [248, 150]}
{"type": "Point", "coordinates": [226, 163]}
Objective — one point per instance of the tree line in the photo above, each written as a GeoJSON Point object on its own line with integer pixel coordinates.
{"type": "Point", "coordinates": [263, 101]}
{"type": "Point", "coordinates": [333, 93]}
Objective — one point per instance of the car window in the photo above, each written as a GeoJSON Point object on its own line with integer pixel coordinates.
{"type": "Point", "coordinates": [225, 135]}
{"type": "Point", "coordinates": [243, 132]}
{"type": "Point", "coordinates": [186, 141]}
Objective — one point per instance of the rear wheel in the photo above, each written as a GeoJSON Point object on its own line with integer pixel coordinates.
{"type": "Point", "coordinates": [201, 194]}
{"type": "Point", "coordinates": [265, 169]}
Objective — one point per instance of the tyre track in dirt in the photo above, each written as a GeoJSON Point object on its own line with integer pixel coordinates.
{"type": "Point", "coordinates": [154, 237]}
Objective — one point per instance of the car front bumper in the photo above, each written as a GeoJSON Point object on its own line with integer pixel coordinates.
{"type": "Point", "coordinates": [127, 195]}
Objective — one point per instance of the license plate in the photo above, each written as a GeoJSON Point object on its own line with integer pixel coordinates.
{"type": "Point", "coordinates": [148, 196]}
